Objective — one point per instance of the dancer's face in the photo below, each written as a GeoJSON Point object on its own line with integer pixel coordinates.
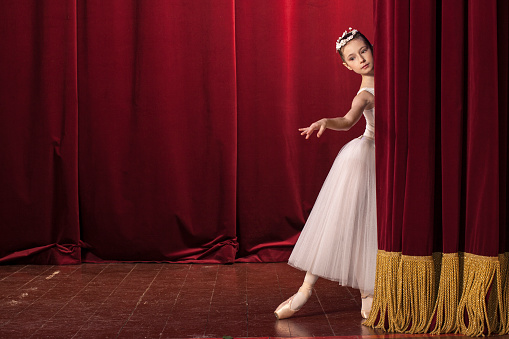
{"type": "Point", "coordinates": [358, 57]}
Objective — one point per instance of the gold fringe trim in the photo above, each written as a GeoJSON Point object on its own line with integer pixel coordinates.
{"type": "Point", "coordinates": [444, 313]}
{"type": "Point", "coordinates": [383, 310]}
{"type": "Point", "coordinates": [416, 293]}
{"type": "Point", "coordinates": [446, 293]}
{"type": "Point", "coordinates": [504, 272]}
{"type": "Point", "coordinates": [482, 278]}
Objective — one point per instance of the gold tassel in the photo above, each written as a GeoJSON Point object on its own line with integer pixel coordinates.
{"type": "Point", "coordinates": [444, 313]}
{"type": "Point", "coordinates": [405, 291]}
{"type": "Point", "coordinates": [437, 261]}
{"type": "Point", "coordinates": [481, 276]}
{"type": "Point", "coordinates": [504, 272]}
{"type": "Point", "coordinates": [416, 293]}
{"type": "Point", "coordinates": [384, 303]}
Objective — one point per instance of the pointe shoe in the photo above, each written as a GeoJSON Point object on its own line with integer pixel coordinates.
{"type": "Point", "coordinates": [366, 306]}
{"type": "Point", "coordinates": [284, 311]}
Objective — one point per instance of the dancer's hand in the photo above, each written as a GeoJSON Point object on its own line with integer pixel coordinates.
{"type": "Point", "coordinates": [319, 125]}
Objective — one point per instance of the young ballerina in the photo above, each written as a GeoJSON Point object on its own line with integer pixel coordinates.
{"type": "Point", "coordinates": [339, 240]}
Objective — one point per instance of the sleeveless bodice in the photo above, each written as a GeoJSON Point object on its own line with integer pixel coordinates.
{"type": "Point", "coordinates": [369, 115]}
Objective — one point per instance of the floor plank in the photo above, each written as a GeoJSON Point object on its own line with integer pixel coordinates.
{"type": "Point", "coordinates": [149, 300]}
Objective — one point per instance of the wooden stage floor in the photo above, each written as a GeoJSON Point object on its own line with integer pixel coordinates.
{"type": "Point", "coordinates": [149, 300]}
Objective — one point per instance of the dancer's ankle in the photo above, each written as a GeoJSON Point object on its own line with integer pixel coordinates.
{"type": "Point", "coordinates": [306, 288]}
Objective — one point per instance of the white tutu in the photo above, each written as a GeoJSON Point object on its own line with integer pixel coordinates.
{"type": "Point", "coordinates": [339, 240]}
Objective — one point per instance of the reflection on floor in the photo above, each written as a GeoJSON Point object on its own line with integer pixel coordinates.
{"type": "Point", "coordinates": [172, 301]}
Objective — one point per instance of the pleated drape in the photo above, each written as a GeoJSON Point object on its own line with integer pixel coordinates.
{"type": "Point", "coordinates": [442, 167]}
{"type": "Point", "coordinates": [156, 130]}
{"type": "Point", "coordinates": [39, 209]}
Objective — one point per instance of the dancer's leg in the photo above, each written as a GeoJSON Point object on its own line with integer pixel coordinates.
{"type": "Point", "coordinates": [304, 291]}
{"type": "Point", "coordinates": [367, 301]}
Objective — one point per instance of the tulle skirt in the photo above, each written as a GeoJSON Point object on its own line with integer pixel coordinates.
{"type": "Point", "coordinates": [339, 240]}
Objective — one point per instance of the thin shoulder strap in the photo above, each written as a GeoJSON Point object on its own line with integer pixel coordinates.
{"type": "Point", "coordinates": [367, 89]}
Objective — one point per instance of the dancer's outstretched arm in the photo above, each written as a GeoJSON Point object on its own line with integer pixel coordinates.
{"type": "Point", "coordinates": [361, 101]}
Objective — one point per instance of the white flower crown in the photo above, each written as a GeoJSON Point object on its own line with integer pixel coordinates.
{"type": "Point", "coordinates": [342, 41]}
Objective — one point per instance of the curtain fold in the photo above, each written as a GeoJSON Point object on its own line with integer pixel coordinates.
{"type": "Point", "coordinates": [158, 148]}
{"type": "Point", "coordinates": [442, 167]}
{"type": "Point", "coordinates": [188, 114]}
{"type": "Point", "coordinates": [288, 75]}
{"type": "Point", "coordinates": [38, 133]}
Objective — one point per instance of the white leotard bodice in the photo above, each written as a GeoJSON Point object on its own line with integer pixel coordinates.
{"type": "Point", "coordinates": [369, 115]}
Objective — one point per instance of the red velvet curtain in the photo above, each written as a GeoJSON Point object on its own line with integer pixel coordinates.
{"type": "Point", "coordinates": [288, 75]}
{"type": "Point", "coordinates": [157, 130]}
{"type": "Point", "coordinates": [38, 132]}
{"type": "Point", "coordinates": [442, 89]}
{"type": "Point", "coordinates": [166, 130]}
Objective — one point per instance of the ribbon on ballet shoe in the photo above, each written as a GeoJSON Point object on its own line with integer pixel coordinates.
{"type": "Point", "coordinates": [306, 288]}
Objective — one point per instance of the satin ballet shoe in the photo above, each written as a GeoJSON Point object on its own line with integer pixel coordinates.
{"type": "Point", "coordinates": [366, 306]}
{"type": "Point", "coordinates": [284, 311]}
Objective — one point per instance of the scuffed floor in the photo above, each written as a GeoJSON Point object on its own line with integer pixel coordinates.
{"type": "Point", "coordinates": [149, 300]}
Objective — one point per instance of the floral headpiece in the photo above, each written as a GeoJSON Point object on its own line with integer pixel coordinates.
{"type": "Point", "coordinates": [343, 41]}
